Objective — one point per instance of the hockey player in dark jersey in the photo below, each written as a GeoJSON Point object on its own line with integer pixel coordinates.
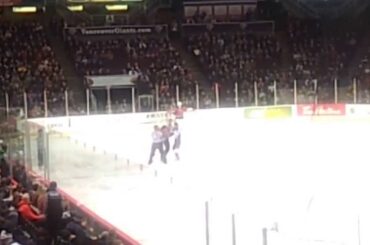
{"type": "Point", "coordinates": [166, 134]}
{"type": "Point", "coordinates": [177, 142]}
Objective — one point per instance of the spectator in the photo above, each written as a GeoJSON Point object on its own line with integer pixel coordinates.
{"type": "Point", "coordinates": [54, 210]}
{"type": "Point", "coordinates": [76, 228]}
{"type": "Point", "coordinates": [8, 218]}
{"type": "Point", "coordinates": [65, 238]}
{"type": "Point", "coordinates": [27, 211]}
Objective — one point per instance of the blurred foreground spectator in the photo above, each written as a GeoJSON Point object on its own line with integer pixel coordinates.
{"type": "Point", "coordinates": [31, 214]}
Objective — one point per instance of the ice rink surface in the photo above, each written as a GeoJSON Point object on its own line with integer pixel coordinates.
{"type": "Point", "coordinates": [310, 179]}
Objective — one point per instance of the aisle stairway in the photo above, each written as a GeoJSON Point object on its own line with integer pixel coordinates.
{"type": "Point", "coordinates": [191, 63]}
{"type": "Point", "coordinates": [287, 58]}
{"type": "Point", "coordinates": [361, 49]}
{"type": "Point", "coordinates": [74, 81]}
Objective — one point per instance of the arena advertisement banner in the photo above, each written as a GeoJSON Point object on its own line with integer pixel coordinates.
{"type": "Point", "coordinates": [321, 110]}
{"type": "Point", "coordinates": [157, 117]}
{"type": "Point", "coordinates": [268, 112]}
{"type": "Point", "coordinates": [279, 112]}
{"type": "Point", "coordinates": [254, 113]}
{"type": "Point", "coordinates": [118, 30]}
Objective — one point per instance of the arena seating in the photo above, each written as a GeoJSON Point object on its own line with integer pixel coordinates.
{"type": "Point", "coordinates": [318, 55]}
{"type": "Point", "coordinates": [303, 51]}
{"type": "Point", "coordinates": [28, 64]}
{"type": "Point", "coordinates": [225, 57]}
{"type": "Point", "coordinates": [154, 58]}
{"type": "Point", "coordinates": [238, 57]}
{"type": "Point", "coordinates": [362, 75]}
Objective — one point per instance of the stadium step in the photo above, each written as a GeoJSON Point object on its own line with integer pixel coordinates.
{"type": "Point", "coordinates": [75, 82]}
{"type": "Point", "coordinates": [192, 64]}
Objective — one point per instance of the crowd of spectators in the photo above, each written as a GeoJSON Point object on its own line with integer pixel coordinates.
{"type": "Point", "coordinates": [28, 64]}
{"type": "Point", "coordinates": [238, 57]}
{"type": "Point", "coordinates": [363, 77]}
{"type": "Point", "coordinates": [318, 55]}
{"type": "Point", "coordinates": [310, 55]}
{"type": "Point", "coordinates": [255, 61]}
{"type": "Point", "coordinates": [152, 58]}
{"type": "Point", "coordinates": [32, 213]}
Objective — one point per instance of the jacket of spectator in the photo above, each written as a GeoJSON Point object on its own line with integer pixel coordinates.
{"type": "Point", "coordinates": [4, 168]}
{"type": "Point", "coordinates": [26, 211]}
{"type": "Point", "coordinates": [64, 238]}
{"type": "Point", "coordinates": [54, 207]}
{"type": "Point", "coordinates": [39, 199]}
{"type": "Point", "coordinates": [75, 228]}
{"type": "Point", "coordinates": [54, 210]}
{"type": "Point", "coordinates": [9, 219]}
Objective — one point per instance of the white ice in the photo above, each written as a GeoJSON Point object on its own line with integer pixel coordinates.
{"type": "Point", "coordinates": [309, 177]}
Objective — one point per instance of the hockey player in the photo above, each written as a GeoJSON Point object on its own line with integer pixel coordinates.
{"type": "Point", "coordinates": [179, 111]}
{"type": "Point", "coordinates": [157, 144]}
{"type": "Point", "coordinates": [177, 143]}
{"type": "Point", "coordinates": [166, 134]}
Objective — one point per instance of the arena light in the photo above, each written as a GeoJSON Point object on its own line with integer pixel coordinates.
{"type": "Point", "coordinates": [117, 7]}
{"type": "Point", "coordinates": [115, 1]}
{"type": "Point", "coordinates": [76, 8]}
{"type": "Point", "coordinates": [121, 1]}
{"type": "Point", "coordinates": [24, 9]}
{"type": "Point", "coordinates": [78, 1]}
{"type": "Point", "coordinates": [104, 1]}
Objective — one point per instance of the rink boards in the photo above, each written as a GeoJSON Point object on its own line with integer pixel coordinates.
{"type": "Point", "coordinates": [77, 123]}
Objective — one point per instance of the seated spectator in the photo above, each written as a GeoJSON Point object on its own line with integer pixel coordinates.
{"type": "Point", "coordinates": [7, 238]}
{"type": "Point", "coordinates": [20, 175]}
{"type": "Point", "coordinates": [39, 198]}
{"type": "Point", "coordinates": [27, 212]}
{"type": "Point", "coordinates": [76, 228]}
{"type": "Point", "coordinates": [65, 238]}
{"type": "Point", "coordinates": [8, 218]}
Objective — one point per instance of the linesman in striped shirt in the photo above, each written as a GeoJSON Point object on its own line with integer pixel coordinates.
{"type": "Point", "coordinates": [157, 144]}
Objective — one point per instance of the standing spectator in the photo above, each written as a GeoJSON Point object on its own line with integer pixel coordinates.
{"type": "Point", "coordinates": [54, 210]}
